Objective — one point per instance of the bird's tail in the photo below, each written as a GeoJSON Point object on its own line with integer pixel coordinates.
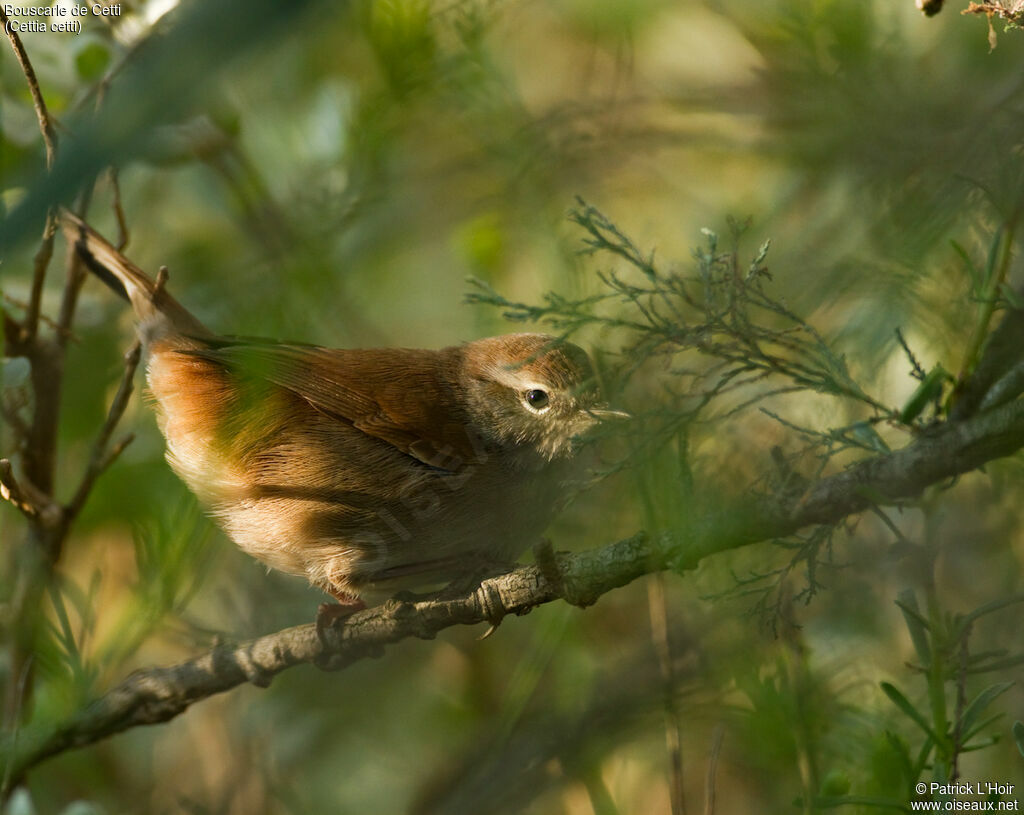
{"type": "Point", "coordinates": [159, 314]}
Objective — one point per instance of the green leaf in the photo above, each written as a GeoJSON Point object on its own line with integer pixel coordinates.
{"type": "Point", "coordinates": [835, 784]}
{"type": "Point", "coordinates": [1010, 296]}
{"type": "Point", "coordinates": [967, 735]}
{"type": "Point", "coordinates": [966, 258]}
{"type": "Point", "coordinates": [984, 744]}
{"type": "Point", "coordinates": [981, 701]}
{"type": "Point", "coordinates": [992, 263]}
{"type": "Point", "coordinates": [997, 664]}
{"type": "Point", "coordinates": [895, 751]}
{"type": "Point", "coordinates": [402, 35]}
{"type": "Point", "coordinates": [929, 390]}
{"type": "Point", "coordinates": [991, 606]}
{"type": "Point", "coordinates": [865, 435]}
{"type": "Point", "coordinates": [903, 704]}
{"type": "Point", "coordinates": [922, 757]}
{"type": "Point", "coordinates": [1018, 735]}
{"type": "Point", "coordinates": [91, 61]}
{"type": "Point", "coordinates": [916, 625]}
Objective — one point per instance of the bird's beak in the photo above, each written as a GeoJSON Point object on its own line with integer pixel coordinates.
{"type": "Point", "coordinates": [603, 414]}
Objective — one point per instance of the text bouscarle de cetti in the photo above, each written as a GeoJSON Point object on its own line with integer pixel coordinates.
{"type": "Point", "coordinates": [58, 18]}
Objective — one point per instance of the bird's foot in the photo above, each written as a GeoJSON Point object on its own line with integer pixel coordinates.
{"type": "Point", "coordinates": [474, 581]}
{"type": "Point", "coordinates": [329, 615]}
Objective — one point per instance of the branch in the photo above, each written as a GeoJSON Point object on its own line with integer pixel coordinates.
{"type": "Point", "coordinates": [1014, 14]}
{"type": "Point", "coordinates": [42, 114]}
{"type": "Point", "coordinates": [40, 264]}
{"type": "Point", "coordinates": [11, 491]}
{"type": "Point", "coordinates": [159, 694]}
{"type": "Point", "coordinates": [35, 505]}
{"type": "Point", "coordinates": [101, 457]}
{"type": "Point", "coordinates": [1004, 352]}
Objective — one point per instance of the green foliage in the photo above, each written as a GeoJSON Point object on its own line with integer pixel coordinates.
{"type": "Point", "coordinates": [722, 313]}
{"type": "Point", "coordinates": [332, 173]}
{"type": "Point", "coordinates": [91, 61]}
{"type": "Point", "coordinates": [400, 33]}
{"type": "Point", "coordinates": [711, 316]}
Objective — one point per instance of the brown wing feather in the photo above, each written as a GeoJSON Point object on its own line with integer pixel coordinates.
{"type": "Point", "coordinates": [401, 396]}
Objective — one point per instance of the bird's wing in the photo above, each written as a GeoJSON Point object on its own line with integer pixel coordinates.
{"type": "Point", "coordinates": [401, 396]}
{"type": "Point", "coordinates": [151, 301]}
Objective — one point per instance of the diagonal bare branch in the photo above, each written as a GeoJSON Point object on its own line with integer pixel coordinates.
{"type": "Point", "coordinates": [159, 694]}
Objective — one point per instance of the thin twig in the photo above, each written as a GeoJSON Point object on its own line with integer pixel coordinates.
{"type": "Point", "coordinates": [40, 263]}
{"type": "Point", "coordinates": [13, 345]}
{"type": "Point", "coordinates": [709, 781]}
{"type": "Point", "coordinates": [29, 499]}
{"type": "Point", "coordinates": [73, 285]}
{"type": "Point", "coordinates": [658, 608]}
{"type": "Point", "coordinates": [42, 114]}
{"type": "Point", "coordinates": [990, 298]}
{"type": "Point", "coordinates": [992, 7]}
{"type": "Point", "coordinates": [961, 700]}
{"type": "Point", "coordinates": [116, 451]}
{"type": "Point", "coordinates": [22, 685]}
{"type": "Point", "coordinates": [917, 371]}
{"type": "Point", "coordinates": [11, 491]}
{"type": "Point", "coordinates": [100, 459]}
{"type": "Point", "coordinates": [14, 301]}
{"type": "Point", "coordinates": [122, 223]}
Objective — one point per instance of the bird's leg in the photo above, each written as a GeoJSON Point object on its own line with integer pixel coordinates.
{"type": "Point", "coordinates": [328, 614]}
{"type": "Point", "coordinates": [473, 581]}
{"type": "Point", "coordinates": [470, 579]}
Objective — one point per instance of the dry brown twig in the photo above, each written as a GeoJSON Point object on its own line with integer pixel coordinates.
{"type": "Point", "coordinates": [123, 235]}
{"type": "Point", "coordinates": [1012, 15]}
{"type": "Point", "coordinates": [1010, 12]}
{"type": "Point", "coordinates": [102, 454]}
{"type": "Point", "coordinates": [10, 491]}
{"type": "Point", "coordinates": [42, 113]}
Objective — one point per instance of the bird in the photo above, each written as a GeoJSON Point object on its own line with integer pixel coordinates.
{"type": "Point", "coordinates": [367, 471]}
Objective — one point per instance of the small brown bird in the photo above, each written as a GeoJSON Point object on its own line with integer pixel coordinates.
{"type": "Point", "coordinates": [361, 469]}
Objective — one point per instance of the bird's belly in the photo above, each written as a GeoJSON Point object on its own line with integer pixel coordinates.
{"type": "Point", "coordinates": [310, 495]}
{"type": "Point", "coordinates": [426, 525]}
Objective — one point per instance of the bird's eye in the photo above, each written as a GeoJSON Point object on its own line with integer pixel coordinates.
{"type": "Point", "coordinates": [537, 399]}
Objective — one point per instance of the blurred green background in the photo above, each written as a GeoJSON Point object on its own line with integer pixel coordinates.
{"type": "Point", "coordinates": [333, 173]}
